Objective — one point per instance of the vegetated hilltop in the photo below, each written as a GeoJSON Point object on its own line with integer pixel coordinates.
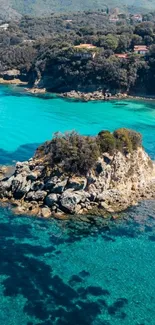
{"type": "Point", "coordinates": [7, 10]}
{"type": "Point", "coordinates": [46, 52]}
{"type": "Point", "coordinates": [42, 7]}
{"type": "Point", "coordinates": [82, 175]}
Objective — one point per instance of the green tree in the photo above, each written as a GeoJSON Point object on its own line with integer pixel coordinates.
{"type": "Point", "coordinates": [109, 42]}
{"type": "Point", "coordinates": [145, 28]}
{"type": "Point", "coordinates": [124, 43]}
{"type": "Point", "coordinates": [136, 40]}
{"type": "Point", "coordinates": [107, 141]}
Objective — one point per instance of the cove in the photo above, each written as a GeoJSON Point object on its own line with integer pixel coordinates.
{"type": "Point", "coordinates": [26, 121]}
{"type": "Point", "coordinates": [70, 272]}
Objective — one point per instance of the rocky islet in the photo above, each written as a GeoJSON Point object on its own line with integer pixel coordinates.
{"type": "Point", "coordinates": [115, 182]}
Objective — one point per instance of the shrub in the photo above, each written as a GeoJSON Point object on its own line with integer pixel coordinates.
{"type": "Point", "coordinates": [127, 140]}
{"type": "Point", "coordinates": [74, 153]}
{"type": "Point", "coordinates": [135, 138]}
{"type": "Point", "coordinates": [123, 141]}
{"type": "Point", "coordinates": [107, 141]}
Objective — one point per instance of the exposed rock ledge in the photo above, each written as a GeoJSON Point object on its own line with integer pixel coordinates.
{"type": "Point", "coordinates": [12, 82]}
{"type": "Point", "coordinates": [115, 183]}
{"type": "Point", "coordinates": [78, 95]}
{"type": "Point", "coordinates": [13, 77]}
{"type": "Point", "coordinates": [91, 96]}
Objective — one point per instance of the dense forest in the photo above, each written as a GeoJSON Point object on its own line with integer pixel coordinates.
{"type": "Point", "coordinates": [10, 9]}
{"type": "Point", "coordinates": [46, 52]}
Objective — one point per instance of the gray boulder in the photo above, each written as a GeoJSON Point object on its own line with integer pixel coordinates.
{"type": "Point", "coordinates": [51, 199]}
{"type": "Point", "coordinates": [70, 200]}
{"type": "Point", "coordinates": [46, 212]}
{"type": "Point", "coordinates": [59, 187]}
{"type": "Point", "coordinates": [36, 196]}
{"type": "Point", "coordinates": [51, 183]}
{"type": "Point", "coordinates": [37, 186]}
{"type": "Point", "coordinates": [6, 185]}
{"type": "Point", "coordinates": [20, 186]}
{"type": "Point", "coordinates": [32, 177]}
{"type": "Point", "coordinates": [22, 167]}
{"type": "Point", "coordinates": [77, 183]}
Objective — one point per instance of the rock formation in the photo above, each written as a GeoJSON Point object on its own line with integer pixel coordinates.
{"type": "Point", "coordinates": [115, 182]}
{"type": "Point", "coordinates": [91, 96]}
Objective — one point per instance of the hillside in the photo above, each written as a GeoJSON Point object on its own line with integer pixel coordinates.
{"type": "Point", "coordinates": [14, 8]}
{"type": "Point", "coordinates": [43, 7]}
{"type": "Point", "coordinates": [45, 52]}
{"type": "Point", "coordinates": [7, 10]}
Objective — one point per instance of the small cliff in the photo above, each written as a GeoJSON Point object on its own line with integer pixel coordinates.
{"type": "Point", "coordinates": [81, 175]}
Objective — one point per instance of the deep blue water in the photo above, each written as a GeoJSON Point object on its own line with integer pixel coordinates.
{"type": "Point", "coordinates": [69, 272]}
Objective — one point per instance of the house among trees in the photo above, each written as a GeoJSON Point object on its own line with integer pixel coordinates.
{"type": "Point", "coordinates": [85, 51]}
{"type": "Point", "coordinates": [113, 18]}
{"type": "Point", "coordinates": [137, 18]}
{"type": "Point", "coordinates": [122, 55]}
{"type": "Point", "coordinates": [4, 26]}
{"type": "Point", "coordinates": [140, 49]}
{"type": "Point", "coordinates": [85, 46]}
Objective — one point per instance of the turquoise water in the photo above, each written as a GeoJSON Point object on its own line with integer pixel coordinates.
{"type": "Point", "coordinates": [57, 273]}
{"type": "Point", "coordinates": [67, 272]}
{"type": "Point", "coordinates": [27, 121]}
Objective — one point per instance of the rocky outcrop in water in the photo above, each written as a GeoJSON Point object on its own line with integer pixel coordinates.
{"type": "Point", "coordinates": [114, 183]}
{"type": "Point", "coordinates": [91, 96]}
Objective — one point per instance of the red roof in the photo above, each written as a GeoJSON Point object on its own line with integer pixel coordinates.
{"type": "Point", "coordinates": [137, 16]}
{"type": "Point", "coordinates": [122, 56]}
{"type": "Point", "coordinates": [85, 46]}
{"type": "Point", "coordinates": [140, 48]}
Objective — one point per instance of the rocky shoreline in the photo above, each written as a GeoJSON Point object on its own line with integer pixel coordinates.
{"type": "Point", "coordinates": [116, 183]}
{"type": "Point", "coordinates": [78, 95]}
{"type": "Point", "coordinates": [36, 90]}
{"type": "Point", "coordinates": [15, 77]}
{"type": "Point", "coordinates": [73, 94]}
{"type": "Point", "coordinates": [88, 96]}
{"type": "Point", "coordinates": [16, 82]}
{"type": "Point", "coordinates": [91, 96]}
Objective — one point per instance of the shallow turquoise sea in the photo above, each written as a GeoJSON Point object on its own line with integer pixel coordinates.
{"type": "Point", "coordinates": [27, 121]}
{"type": "Point", "coordinates": [67, 272]}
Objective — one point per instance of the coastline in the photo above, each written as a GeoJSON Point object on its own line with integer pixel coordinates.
{"type": "Point", "coordinates": [89, 96]}
{"type": "Point", "coordinates": [15, 81]}
{"type": "Point", "coordinates": [77, 95]}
